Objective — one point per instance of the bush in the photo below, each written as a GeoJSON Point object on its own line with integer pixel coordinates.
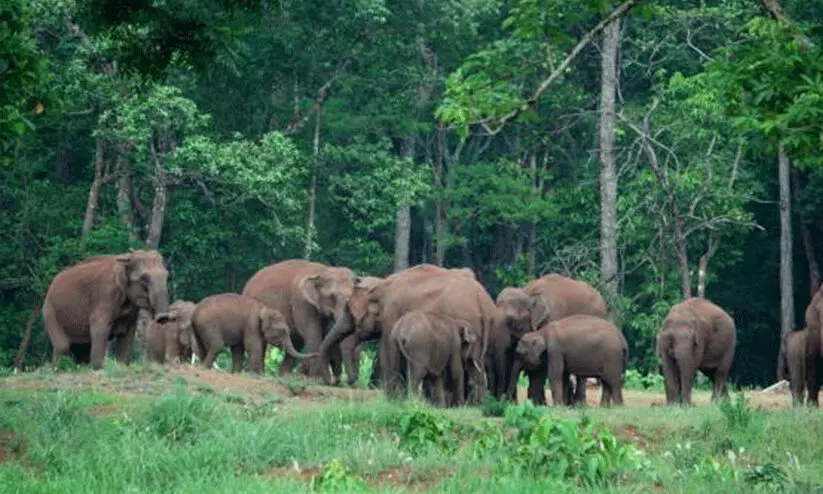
{"type": "Point", "coordinates": [494, 407]}
{"type": "Point", "coordinates": [336, 477]}
{"type": "Point", "coordinates": [422, 429]}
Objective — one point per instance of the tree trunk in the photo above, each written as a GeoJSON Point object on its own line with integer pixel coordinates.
{"type": "Point", "coordinates": [312, 189]}
{"type": "Point", "coordinates": [808, 241]}
{"type": "Point", "coordinates": [124, 190]}
{"type": "Point", "coordinates": [786, 293]}
{"type": "Point", "coordinates": [94, 193]}
{"type": "Point", "coordinates": [440, 212]}
{"type": "Point", "coordinates": [608, 171]}
{"type": "Point", "coordinates": [402, 234]}
{"type": "Point", "coordinates": [158, 208]}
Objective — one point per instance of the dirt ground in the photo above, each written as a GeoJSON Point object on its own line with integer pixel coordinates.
{"type": "Point", "coordinates": [249, 388]}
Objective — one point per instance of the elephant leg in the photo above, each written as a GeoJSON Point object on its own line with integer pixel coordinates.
{"type": "Point", "coordinates": [124, 344]}
{"type": "Point", "coordinates": [237, 358]}
{"type": "Point", "coordinates": [671, 378]}
{"type": "Point", "coordinates": [796, 386]}
{"type": "Point", "coordinates": [458, 375]}
{"type": "Point", "coordinates": [375, 379]}
{"type": "Point", "coordinates": [721, 377]}
{"type": "Point", "coordinates": [390, 366]}
{"type": "Point", "coordinates": [100, 330]}
{"type": "Point", "coordinates": [579, 397]}
{"type": "Point", "coordinates": [415, 377]}
{"type": "Point", "coordinates": [557, 376]}
{"type": "Point", "coordinates": [310, 327]}
{"type": "Point", "coordinates": [350, 349]}
{"type": "Point", "coordinates": [336, 363]}
{"type": "Point", "coordinates": [255, 350]}
{"type": "Point", "coordinates": [812, 383]}
{"type": "Point", "coordinates": [60, 344]}
{"type": "Point", "coordinates": [211, 354]}
{"type": "Point", "coordinates": [537, 385]}
{"type": "Point", "coordinates": [440, 391]}
{"type": "Point", "coordinates": [686, 383]}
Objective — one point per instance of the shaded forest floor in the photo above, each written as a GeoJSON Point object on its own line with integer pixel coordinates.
{"type": "Point", "coordinates": [193, 430]}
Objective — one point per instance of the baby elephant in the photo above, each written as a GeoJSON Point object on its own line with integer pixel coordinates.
{"type": "Point", "coordinates": [696, 334]}
{"type": "Point", "coordinates": [434, 346]}
{"type": "Point", "coordinates": [794, 363]}
{"type": "Point", "coordinates": [586, 346]}
{"type": "Point", "coordinates": [173, 341]}
{"type": "Point", "coordinates": [243, 324]}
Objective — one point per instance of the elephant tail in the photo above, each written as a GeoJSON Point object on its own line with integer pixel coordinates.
{"type": "Point", "coordinates": [625, 351]}
{"type": "Point", "coordinates": [21, 354]}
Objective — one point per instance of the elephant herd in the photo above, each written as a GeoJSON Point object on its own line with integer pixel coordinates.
{"type": "Point", "coordinates": [439, 332]}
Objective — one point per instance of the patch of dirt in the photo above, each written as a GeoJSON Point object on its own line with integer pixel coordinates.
{"type": "Point", "coordinates": [103, 410]}
{"type": "Point", "coordinates": [10, 447]}
{"type": "Point", "coordinates": [397, 476]}
{"type": "Point", "coordinates": [631, 433]}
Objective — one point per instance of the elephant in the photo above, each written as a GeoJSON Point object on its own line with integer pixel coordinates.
{"type": "Point", "coordinates": [99, 299]}
{"type": "Point", "coordinates": [243, 324]}
{"type": "Point", "coordinates": [696, 334]}
{"type": "Point", "coordinates": [794, 362]}
{"type": "Point", "coordinates": [548, 298]}
{"type": "Point", "coordinates": [174, 341]}
{"type": "Point", "coordinates": [814, 350]}
{"type": "Point", "coordinates": [583, 345]}
{"type": "Point", "coordinates": [372, 312]}
{"type": "Point", "coordinates": [310, 295]}
{"type": "Point", "coordinates": [434, 346]}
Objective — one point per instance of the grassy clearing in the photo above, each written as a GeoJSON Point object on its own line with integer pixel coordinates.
{"type": "Point", "coordinates": [142, 429]}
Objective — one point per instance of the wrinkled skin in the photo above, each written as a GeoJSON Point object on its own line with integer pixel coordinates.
{"type": "Point", "coordinates": [696, 335]}
{"type": "Point", "coordinates": [523, 310]}
{"type": "Point", "coordinates": [373, 311]}
{"type": "Point", "coordinates": [583, 345]}
{"type": "Point", "coordinates": [242, 324]}
{"type": "Point", "coordinates": [436, 347]}
{"type": "Point", "coordinates": [310, 295]}
{"type": "Point", "coordinates": [99, 299]}
{"type": "Point", "coordinates": [172, 342]}
{"type": "Point", "coordinates": [814, 349]}
{"type": "Point", "coordinates": [795, 364]}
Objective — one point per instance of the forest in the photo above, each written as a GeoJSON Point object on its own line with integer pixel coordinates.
{"type": "Point", "coordinates": [656, 149]}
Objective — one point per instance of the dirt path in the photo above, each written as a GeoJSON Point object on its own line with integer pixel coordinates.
{"type": "Point", "coordinates": [156, 381]}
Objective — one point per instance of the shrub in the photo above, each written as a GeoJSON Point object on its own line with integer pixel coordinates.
{"type": "Point", "coordinates": [494, 407]}
{"type": "Point", "coordinates": [578, 451]}
{"type": "Point", "coordinates": [422, 429]}
{"type": "Point", "coordinates": [336, 477]}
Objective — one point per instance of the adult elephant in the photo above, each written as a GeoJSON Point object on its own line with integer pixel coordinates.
{"type": "Point", "coordinates": [373, 311]}
{"type": "Point", "coordinates": [309, 295]}
{"type": "Point", "coordinates": [696, 335]}
{"type": "Point", "coordinates": [99, 299]}
{"type": "Point", "coordinates": [523, 310]}
{"type": "Point", "coordinates": [814, 349]}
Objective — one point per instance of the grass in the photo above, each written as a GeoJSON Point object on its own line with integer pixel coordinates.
{"type": "Point", "coordinates": [142, 429]}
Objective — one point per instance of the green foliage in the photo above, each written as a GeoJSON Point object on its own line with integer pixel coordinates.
{"type": "Point", "coordinates": [580, 451]}
{"type": "Point", "coordinates": [422, 429]}
{"type": "Point", "coordinates": [334, 477]}
{"type": "Point", "coordinates": [634, 379]}
{"type": "Point", "coordinates": [23, 76]}
{"type": "Point", "coordinates": [179, 418]}
{"type": "Point", "coordinates": [494, 407]}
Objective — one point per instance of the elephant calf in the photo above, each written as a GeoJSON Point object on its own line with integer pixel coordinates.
{"type": "Point", "coordinates": [696, 334]}
{"type": "Point", "coordinates": [173, 341]}
{"type": "Point", "coordinates": [795, 364]}
{"type": "Point", "coordinates": [435, 346]}
{"type": "Point", "coordinates": [583, 345]}
{"type": "Point", "coordinates": [243, 324]}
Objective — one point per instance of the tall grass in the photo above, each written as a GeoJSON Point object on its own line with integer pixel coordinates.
{"type": "Point", "coordinates": [189, 441]}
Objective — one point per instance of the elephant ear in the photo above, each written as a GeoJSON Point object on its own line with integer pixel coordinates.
{"type": "Point", "coordinates": [539, 310]}
{"type": "Point", "coordinates": [309, 287]}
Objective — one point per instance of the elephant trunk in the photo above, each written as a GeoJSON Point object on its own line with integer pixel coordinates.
{"type": "Point", "coordinates": [289, 346]}
{"type": "Point", "coordinates": [517, 366]}
{"type": "Point", "coordinates": [343, 327]}
{"type": "Point", "coordinates": [159, 300]}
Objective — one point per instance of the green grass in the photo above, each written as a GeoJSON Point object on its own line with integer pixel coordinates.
{"type": "Point", "coordinates": [187, 438]}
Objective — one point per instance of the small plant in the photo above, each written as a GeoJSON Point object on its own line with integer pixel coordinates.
{"type": "Point", "coordinates": [494, 407]}
{"type": "Point", "coordinates": [422, 429]}
{"type": "Point", "coordinates": [524, 417]}
{"type": "Point", "coordinates": [336, 477]}
{"type": "Point", "coordinates": [634, 379]}
{"type": "Point", "coordinates": [770, 476]}
{"type": "Point", "coordinates": [578, 451]}
{"type": "Point", "coordinates": [487, 438]}
{"type": "Point", "coordinates": [737, 413]}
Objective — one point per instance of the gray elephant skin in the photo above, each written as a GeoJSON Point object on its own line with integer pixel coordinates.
{"type": "Point", "coordinates": [583, 345]}
{"type": "Point", "coordinates": [794, 364]}
{"type": "Point", "coordinates": [99, 299]}
{"type": "Point", "coordinates": [310, 295]}
{"type": "Point", "coordinates": [814, 348]}
{"type": "Point", "coordinates": [242, 324]}
{"type": "Point", "coordinates": [373, 311]}
{"type": "Point", "coordinates": [696, 335]}
{"type": "Point", "coordinates": [548, 298]}
{"type": "Point", "coordinates": [436, 347]}
{"type": "Point", "coordinates": [172, 342]}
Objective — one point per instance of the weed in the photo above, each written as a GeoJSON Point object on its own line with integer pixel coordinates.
{"type": "Point", "coordinates": [179, 417]}
{"type": "Point", "coordinates": [422, 429]}
{"type": "Point", "coordinates": [494, 407]}
{"type": "Point", "coordinates": [336, 477]}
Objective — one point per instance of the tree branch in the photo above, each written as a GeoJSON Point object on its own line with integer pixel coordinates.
{"type": "Point", "coordinates": [619, 12]}
{"type": "Point", "coordinates": [299, 121]}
